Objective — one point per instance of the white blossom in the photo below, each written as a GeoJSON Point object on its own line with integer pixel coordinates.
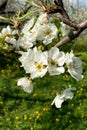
{"type": "Point", "coordinates": [28, 25]}
{"type": "Point", "coordinates": [56, 61]}
{"type": "Point", "coordinates": [26, 58]}
{"type": "Point", "coordinates": [42, 19]}
{"type": "Point", "coordinates": [47, 32]}
{"type": "Point", "coordinates": [10, 40]}
{"type": "Point", "coordinates": [34, 62]}
{"type": "Point", "coordinates": [59, 99]}
{"type": "Point", "coordinates": [74, 65]}
{"type": "Point", "coordinates": [24, 43]}
{"type": "Point", "coordinates": [30, 35]}
{"type": "Point", "coordinates": [64, 29]}
{"type": "Point", "coordinates": [26, 84]}
{"type": "Point", "coordinates": [12, 43]}
{"type": "Point", "coordinates": [30, 32]}
{"type": "Point", "coordinates": [43, 30]}
{"type": "Point", "coordinates": [8, 31]}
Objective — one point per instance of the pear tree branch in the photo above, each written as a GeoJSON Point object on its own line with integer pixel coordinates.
{"type": "Point", "coordinates": [73, 34]}
{"type": "Point", "coordinates": [75, 30]}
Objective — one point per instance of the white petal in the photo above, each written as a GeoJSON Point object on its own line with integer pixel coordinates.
{"type": "Point", "coordinates": [26, 84]}
{"type": "Point", "coordinates": [28, 25]}
{"type": "Point", "coordinates": [53, 53]}
{"type": "Point", "coordinates": [58, 100]}
{"type": "Point", "coordinates": [55, 70]}
{"type": "Point", "coordinates": [68, 94]}
{"type": "Point", "coordinates": [36, 74]}
{"type": "Point", "coordinates": [68, 57]}
{"type": "Point", "coordinates": [75, 69]}
{"type": "Point", "coordinates": [61, 59]}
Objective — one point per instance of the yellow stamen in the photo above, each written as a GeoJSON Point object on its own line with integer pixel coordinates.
{"type": "Point", "coordinates": [39, 66]}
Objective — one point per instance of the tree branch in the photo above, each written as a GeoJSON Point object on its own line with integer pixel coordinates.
{"type": "Point", "coordinates": [76, 29]}
{"type": "Point", "coordinates": [59, 8]}
{"type": "Point", "coordinates": [73, 34]}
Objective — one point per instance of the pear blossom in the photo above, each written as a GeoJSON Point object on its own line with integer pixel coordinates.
{"type": "Point", "coordinates": [74, 65]}
{"type": "Point", "coordinates": [32, 35]}
{"type": "Point", "coordinates": [13, 43]}
{"type": "Point", "coordinates": [5, 31]}
{"type": "Point", "coordinates": [42, 19]}
{"type": "Point", "coordinates": [10, 40]}
{"type": "Point", "coordinates": [34, 62]}
{"type": "Point", "coordinates": [29, 36]}
{"type": "Point", "coordinates": [8, 35]}
{"type": "Point", "coordinates": [56, 61]}
{"type": "Point", "coordinates": [41, 30]}
{"type": "Point", "coordinates": [26, 84]}
{"type": "Point", "coordinates": [8, 31]}
{"type": "Point", "coordinates": [59, 99]}
{"type": "Point", "coordinates": [38, 67]}
{"type": "Point", "coordinates": [24, 42]}
{"type": "Point", "coordinates": [28, 25]}
{"type": "Point", "coordinates": [28, 40]}
{"type": "Point", "coordinates": [64, 29]}
{"type": "Point", "coordinates": [47, 32]}
{"type": "Point", "coordinates": [26, 58]}
{"type": "Point", "coordinates": [30, 32]}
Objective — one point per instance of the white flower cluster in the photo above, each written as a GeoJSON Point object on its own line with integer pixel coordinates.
{"type": "Point", "coordinates": [9, 36]}
{"type": "Point", "coordinates": [8, 32]}
{"type": "Point", "coordinates": [38, 63]}
{"type": "Point", "coordinates": [34, 30]}
{"type": "Point", "coordinates": [41, 30]}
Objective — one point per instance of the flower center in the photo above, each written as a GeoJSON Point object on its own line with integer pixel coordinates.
{"type": "Point", "coordinates": [39, 66]}
{"type": "Point", "coordinates": [52, 62]}
{"type": "Point", "coordinates": [71, 65]}
{"type": "Point", "coordinates": [48, 32]}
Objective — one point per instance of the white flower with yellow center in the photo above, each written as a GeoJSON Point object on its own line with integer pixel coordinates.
{"type": "Point", "coordinates": [34, 62]}
{"type": "Point", "coordinates": [56, 61]}
{"type": "Point", "coordinates": [26, 84]}
{"type": "Point", "coordinates": [59, 99]}
{"type": "Point", "coordinates": [8, 32]}
{"type": "Point", "coordinates": [38, 67]}
{"type": "Point", "coordinates": [47, 32]}
{"type": "Point", "coordinates": [74, 65]}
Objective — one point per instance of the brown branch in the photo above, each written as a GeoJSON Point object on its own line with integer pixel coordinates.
{"type": "Point", "coordinates": [73, 34]}
{"type": "Point", "coordinates": [77, 28]}
{"type": "Point", "coordinates": [69, 22]}
{"type": "Point", "coordinates": [59, 8]}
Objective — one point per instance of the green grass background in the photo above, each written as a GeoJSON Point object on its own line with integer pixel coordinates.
{"type": "Point", "coordinates": [22, 111]}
